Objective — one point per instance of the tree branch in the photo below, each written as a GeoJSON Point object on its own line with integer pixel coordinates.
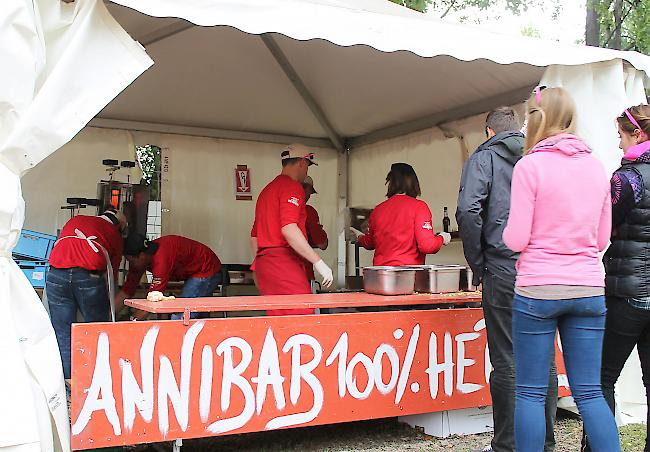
{"type": "Point", "coordinates": [617, 27]}
{"type": "Point", "coordinates": [451, 5]}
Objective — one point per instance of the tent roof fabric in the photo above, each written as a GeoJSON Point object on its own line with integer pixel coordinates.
{"type": "Point", "coordinates": [366, 65]}
{"type": "Point", "coordinates": [379, 24]}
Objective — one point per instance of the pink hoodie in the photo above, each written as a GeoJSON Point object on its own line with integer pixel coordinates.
{"type": "Point", "coordinates": [560, 215]}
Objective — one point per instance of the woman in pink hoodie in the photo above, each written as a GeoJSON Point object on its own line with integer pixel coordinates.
{"type": "Point", "coordinates": [560, 219]}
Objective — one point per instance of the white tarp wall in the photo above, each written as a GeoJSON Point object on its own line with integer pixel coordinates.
{"type": "Point", "coordinates": [198, 191]}
{"type": "Point", "coordinates": [62, 63]}
{"type": "Point", "coordinates": [601, 91]}
{"type": "Point", "coordinates": [72, 171]}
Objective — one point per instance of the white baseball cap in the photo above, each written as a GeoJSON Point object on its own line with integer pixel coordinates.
{"type": "Point", "coordinates": [299, 151]}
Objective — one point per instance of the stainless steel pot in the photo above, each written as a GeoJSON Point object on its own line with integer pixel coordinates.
{"type": "Point", "coordinates": [466, 277]}
{"type": "Point", "coordinates": [389, 280]}
{"type": "Point", "coordinates": [437, 278]}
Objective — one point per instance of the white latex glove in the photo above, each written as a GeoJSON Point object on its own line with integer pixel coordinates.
{"type": "Point", "coordinates": [354, 234]}
{"type": "Point", "coordinates": [326, 272]}
{"type": "Point", "coordinates": [446, 237]}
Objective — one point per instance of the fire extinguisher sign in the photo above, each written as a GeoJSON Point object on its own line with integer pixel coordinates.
{"type": "Point", "coordinates": [243, 190]}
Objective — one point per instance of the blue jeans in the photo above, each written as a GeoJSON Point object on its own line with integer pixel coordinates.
{"type": "Point", "coordinates": [498, 295]}
{"type": "Point", "coordinates": [197, 288]}
{"type": "Point", "coordinates": [581, 322]}
{"type": "Point", "coordinates": [69, 290]}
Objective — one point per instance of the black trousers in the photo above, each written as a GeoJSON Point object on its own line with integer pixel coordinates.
{"type": "Point", "coordinates": [498, 294]}
{"type": "Point", "coordinates": [625, 328]}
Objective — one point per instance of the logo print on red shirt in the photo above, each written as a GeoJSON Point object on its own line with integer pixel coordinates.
{"type": "Point", "coordinates": [295, 201]}
{"type": "Point", "coordinates": [427, 226]}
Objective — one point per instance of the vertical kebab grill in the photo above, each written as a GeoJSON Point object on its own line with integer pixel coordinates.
{"type": "Point", "coordinates": [132, 199]}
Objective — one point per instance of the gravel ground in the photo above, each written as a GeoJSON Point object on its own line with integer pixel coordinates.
{"type": "Point", "coordinates": [382, 435]}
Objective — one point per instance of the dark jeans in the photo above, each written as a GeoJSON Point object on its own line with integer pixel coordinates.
{"type": "Point", "coordinates": [70, 290]}
{"type": "Point", "coordinates": [581, 322]}
{"type": "Point", "coordinates": [498, 294]}
{"type": "Point", "coordinates": [197, 288]}
{"type": "Point", "coordinates": [625, 327]}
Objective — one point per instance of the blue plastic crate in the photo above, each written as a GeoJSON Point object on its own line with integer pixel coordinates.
{"type": "Point", "coordinates": [34, 245]}
{"type": "Point", "coordinates": [36, 271]}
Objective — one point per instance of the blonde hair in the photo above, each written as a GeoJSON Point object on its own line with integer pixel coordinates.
{"type": "Point", "coordinates": [550, 112]}
{"type": "Point", "coordinates": [641, 114]}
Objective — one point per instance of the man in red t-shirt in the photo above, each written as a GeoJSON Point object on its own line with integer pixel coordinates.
{"type": "Point", "coordinates": [279, 236]}
{"type": "Point", "coordinates": [316, 235]}
{"type": "Point", "coordinates": [171, 258]}
{"type": "Point", "coordinates": [77, 277]}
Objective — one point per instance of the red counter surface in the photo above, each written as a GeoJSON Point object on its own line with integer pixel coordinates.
{"type": "Point", "coordinates": [325, 300]}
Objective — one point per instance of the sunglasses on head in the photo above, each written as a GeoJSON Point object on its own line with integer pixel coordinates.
{"type": "Point", "coordinates": [632, 120]}
{"type": "Point", "coordinates": [538, 93]}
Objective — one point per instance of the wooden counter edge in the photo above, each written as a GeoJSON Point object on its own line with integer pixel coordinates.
{"type": "Point", "coordinates": [333, 300]}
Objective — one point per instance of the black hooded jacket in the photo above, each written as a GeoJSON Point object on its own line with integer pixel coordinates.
{"type": "Point", "coordinates": [484, 205]}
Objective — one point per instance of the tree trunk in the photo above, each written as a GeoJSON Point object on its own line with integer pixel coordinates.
{"type": "Point", "coordinates": [592, 28]}
{"type": "Point", "coordinates": [618, 25]}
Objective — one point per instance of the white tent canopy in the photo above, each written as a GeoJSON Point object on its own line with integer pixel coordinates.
{"type": "Point", "coordinates": [336, 73]}
{"type": "Point", "coordinates": [341, 73]}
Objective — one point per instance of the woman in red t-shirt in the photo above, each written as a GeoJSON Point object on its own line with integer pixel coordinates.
{"type": "Point", "coordinates": [400, 229]}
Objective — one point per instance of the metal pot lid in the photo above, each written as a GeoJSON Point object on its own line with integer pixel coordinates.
{"type": "Point", "coordinates": [388, 268]}
{"type": "Point", "coordinates": [437, 267]}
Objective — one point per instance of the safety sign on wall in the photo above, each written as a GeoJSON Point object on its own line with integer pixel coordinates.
{"type": "Point", "coordinates": [243, 190]}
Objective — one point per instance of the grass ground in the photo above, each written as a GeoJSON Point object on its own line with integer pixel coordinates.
{"type": "Point", "coordinates": [384, 435]}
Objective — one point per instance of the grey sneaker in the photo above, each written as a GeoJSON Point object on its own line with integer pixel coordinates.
{"type": "Point", "coordinates": [485, 449]}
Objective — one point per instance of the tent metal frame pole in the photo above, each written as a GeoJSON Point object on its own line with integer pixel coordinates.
{"type": "Point", "coordinates": [206, 132]}
{"type": "Point", "coordinates": [336, 141]}
{"type": "Point", "coordinates": [165, 32]}
{"type": "Point", "coordinates": [299, 85]}
{"type": "Point", "coordinates": [464, 111]}
{"type": "Point", "coordinates": [342, 193]}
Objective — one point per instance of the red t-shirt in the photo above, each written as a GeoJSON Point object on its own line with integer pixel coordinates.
{"type": "Point", "coordinates": [400, 230]}
{"type": "Point", "coordinates": [176, 259]}
{"type": "Point", "coordinates": [77, 253]}
{"type": "Point", "coordinates": [282, 202]}
{"type": "Point", "coordinates": [316, 235]}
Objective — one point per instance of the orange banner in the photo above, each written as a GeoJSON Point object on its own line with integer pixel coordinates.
{"type": "Point", "coordinates": [141, 382]}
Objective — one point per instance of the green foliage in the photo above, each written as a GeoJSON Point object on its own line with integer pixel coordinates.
{"type": "Point", "coordinates": [149, 158]}
{"type": "Point", "coordinates": [623, 24]}
{"type": "Point", "coordinates": [445, 7]}
{"type": "Point", "coordinates": [531, 32]}
{"type": "Point", "coordinates": [638, 27]}
{"type": "Point", "coordinates": [417, 5]}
